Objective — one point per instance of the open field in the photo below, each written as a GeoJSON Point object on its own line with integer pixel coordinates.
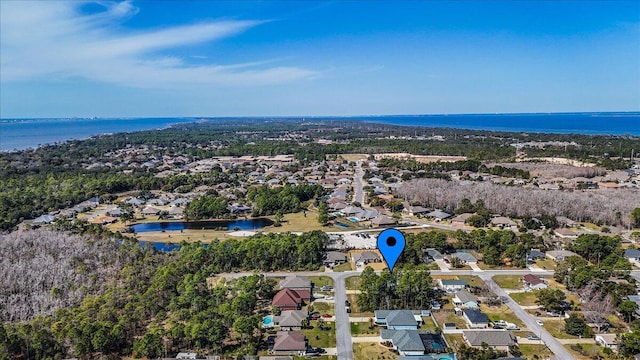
{"type": "Point", "coordinates": [524, 298]}
{"type": "Point", "coordinates": [508, 281]}
{"type": "Point", "coordinates": [556, 328]}
{"type": "Point", "coordinates": [529, 350]}
{"type": "Point", "coordinates": [352, 282]}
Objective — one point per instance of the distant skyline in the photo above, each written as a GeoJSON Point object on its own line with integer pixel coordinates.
{"type": "Point", "coordinates": [312, 58]}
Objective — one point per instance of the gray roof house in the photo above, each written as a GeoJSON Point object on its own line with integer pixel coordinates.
{"type": "Point", "coordinates": [476, 318]}
{"type": "Point", "coordinates": [397, 319]}
{"type": "Point", "coordinates": [559, 255]}
{"type": "Point", "coordinates": [296, 282]}
{"type": "Point", "coordinates": [632, 254]}
{"type": "Point", "coordinates": [465, 300]}
{"type": "Point", "coordinates": [497, 339]}
{"type": "Point", "coordinates": [452, 286]}
{"type": "Point", "coordinates": [43, 219]}
{"type": "Point", "coordinates": [433, 254]}
{"type": "Point", "coordinates": [334, 258]}
{"type": "Point", "coordinates": [406, 342]}
{"type": "Point", "coordinates": [465, 257]}
{"type": "Point", "coordinates": [366, 257]}
{"type": "Point", "coordinates": [438, 215]}
{"type": "Point", "coordinates": [290, 319]}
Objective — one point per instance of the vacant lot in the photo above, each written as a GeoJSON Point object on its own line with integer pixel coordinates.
{"type": "Point", "coordinates": [503, 312]}
{"type": "Point", "coordinates": [508, 281]}
{"type": "Point", "coordinates": [372, 351]}
{"type": "Point", "coordinates": [524, 298]}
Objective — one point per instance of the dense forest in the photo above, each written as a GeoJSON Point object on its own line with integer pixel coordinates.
{"type": "Point", "coordinates": [612, 207]}
{"type": "Point", "coordinates": [155, 302]}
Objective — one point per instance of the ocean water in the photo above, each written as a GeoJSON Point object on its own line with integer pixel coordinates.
{"type": "Point", "coordinates": [30, 133]}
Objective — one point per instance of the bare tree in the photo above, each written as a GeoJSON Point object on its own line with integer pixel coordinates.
{"type": "Point", "coordinates": [595, 305]}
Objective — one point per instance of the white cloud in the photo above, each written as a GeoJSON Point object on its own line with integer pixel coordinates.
{"type": "Point", "coordinates": [54, 40]}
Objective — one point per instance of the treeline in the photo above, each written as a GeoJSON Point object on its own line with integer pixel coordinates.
{"type": "Point", "coordinates": [286, 199]}
{"type": "Point", "coordinates": [409, 288]}
{"type": "Point", "coordinates": [611, 207]}
{"type": "Point", "coordinates": [161, 303]}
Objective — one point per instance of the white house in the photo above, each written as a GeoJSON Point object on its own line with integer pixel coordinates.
{"type": "Point", "coordinates": [607, 340]}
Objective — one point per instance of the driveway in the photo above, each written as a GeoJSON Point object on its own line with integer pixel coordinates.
{"type": "Point", "coordinates": [552, 343]}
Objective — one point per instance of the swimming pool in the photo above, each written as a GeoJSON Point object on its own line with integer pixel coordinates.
{"type": "Point", "coordinates": [267, 321]}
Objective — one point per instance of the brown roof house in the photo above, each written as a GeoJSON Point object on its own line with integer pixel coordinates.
{"type": "Point", "coordinates": [290, 343]}
{"type": "Point", "coordinates": [532, 282]}
{"type": "Point", "coordinates": [287, 299]}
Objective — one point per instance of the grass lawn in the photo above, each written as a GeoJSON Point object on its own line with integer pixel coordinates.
{"type": "Point", "coordinates": [508, 281]}
{"type": "Point", "coordinates": [372, 351]}
{"type": "Point", "coordinates": [323, 307]}
{"type": "Point", "coordinates": [586, 351]}
{"type": "Point", "coordinates": [352, 282]}
{"type": "Point", "coordinates": [321, 338]}
{"type": "Point", "coordinates": [433, 266]}
{"type": "Point", "coordinates": [429, 324]}
{"type": "Point", "coordinates": [524, 298]}
{"type": "Point", "coordinates": [343, 267]}
{"type": "Point", "coordinates": [298, 222]}
{"type": "Point", "coordinates": [321, 281]}
{"type": "Point", "coordinates": [528, 350]}
{"type": "Point", "coordinates": [556, 329]}
{"type": "Point", "coordinates": [546, 264]}
{"type": "Point", "coordinates": [501, 313]}
{"type": "Point", "coordinates": [362, 329]}
{"type": "Point", "coordinates": [472, 280]}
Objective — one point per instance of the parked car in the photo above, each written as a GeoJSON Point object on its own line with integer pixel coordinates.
{"type": "Point", "coordinates": [314, 316]}
{"type": "Point", "coordinates": [347, 303]}
{"type": "Point", "coordinates": [533, 337]}
{"type": "Point", "coordinates": [329, 298]}
{"type": "Point", "coordinates": [327, 316]}
{"type": "Point", "coordinates": [539, 322]}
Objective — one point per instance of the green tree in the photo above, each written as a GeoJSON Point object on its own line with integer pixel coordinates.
{"type": "Point", "coordinates": [323, 214]}
{"type": "Point", "coordinates": [551, 299]}
{"type": "Point", "coordinates": [635, 217]}
{"type": "Point", "coordinates": [630, 343]}
{"type": "Point", "coordinates": [575, 325]}
{"type": "Point", "coordinates": [628, 308]}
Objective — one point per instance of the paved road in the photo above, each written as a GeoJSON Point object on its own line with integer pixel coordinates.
{"type": "Point", "coordinates": [343, 329]}
{"type": "Point", "coordinates": [358, 194]}
{"type": "Point", "coordinates": [552, 343]}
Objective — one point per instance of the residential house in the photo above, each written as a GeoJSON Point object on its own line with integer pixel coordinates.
{"type": "Point", "coordinates": [496, 339]}
{"type": "Point", "coordinates": [414, 344]}
{"type": "Point", "coordinates": [566, 233]}
{"type": "Point", "coordinates": [412, 210]}
{"type": "Point", "coordinates": [432, 255]}
{"type": "Point", "coordinates": [301, 284]}
{"type": "Point", "coordinates": [503, 222]}
{"type": "Point", "coordinates": [633, 255]}
{"type": "Point", "coordinates": [559, 255]}
{"type": "Point", "coordinates": [351, 210]}
{"type": "Point", "coordinates": [465, 257]}
{"type": "Point", "coordinates": [290, 343]}
{"type": "Point", "coordinates": [465, 300]}
{"type": "Point", "coordinates": [532, 282]}
{"type": "Point", "coordinates": [287, 299]}
{"type": "Point", "coordinates": [438, 215]}
{"type": "Point", "coordinates": [43, 219]}
{"type": "Point", "coordinates": [452, 286]}
{"type": "Point", "coordinates": [607, 340]}
{"type": "Point", "coordinates": [175, 212]}
{"type": "Point", "coordinates": [185, 355]}
{"type": "Point", "coordinates": [461, 219]}
{"type": "Point", "coordinates": [366, 257]}
{"type": "Point", "coordinates": [382, 220]}
{"type": "Point", "coordinates": [397, 319]}
{"type": "Point", "coordinates": [366, 215]}
{"type": "Point", "coordinates": [149, 210]}
{"type": "Point", "coordinates": [334, 258]}
{"type": "Point", "coordinates": [476, 318]}
{"type": "Point", "coordinates": [290, 319]}
{"type": "Point", "coordinates": [534, 255]}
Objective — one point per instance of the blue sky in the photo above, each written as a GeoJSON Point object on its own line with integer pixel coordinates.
{"type": "Point", "coordinates": [264, 58]}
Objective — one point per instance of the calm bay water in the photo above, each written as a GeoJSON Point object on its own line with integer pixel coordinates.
{"type": "Point", "coordinates": [249, 224]}
{"type": "Point", "coordinates": [29, 133]}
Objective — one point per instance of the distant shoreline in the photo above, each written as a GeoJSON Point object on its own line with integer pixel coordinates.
{"type": "Point", "coordinates": [21, 134]}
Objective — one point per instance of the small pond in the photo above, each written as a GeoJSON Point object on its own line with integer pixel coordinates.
{"type": "Point", "coordinates": [250, 224]}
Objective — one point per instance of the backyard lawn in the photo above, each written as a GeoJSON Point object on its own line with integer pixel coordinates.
{"type": "Point", "coordinates": [372, 351]}
{"type": "Point", "coordinates": [529, 350]}
{"type": "Point", "coordinates": [508, 281]}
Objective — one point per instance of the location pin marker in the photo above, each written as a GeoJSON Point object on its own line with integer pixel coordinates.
{"type": "Point", "coordinates": [391, 244]}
